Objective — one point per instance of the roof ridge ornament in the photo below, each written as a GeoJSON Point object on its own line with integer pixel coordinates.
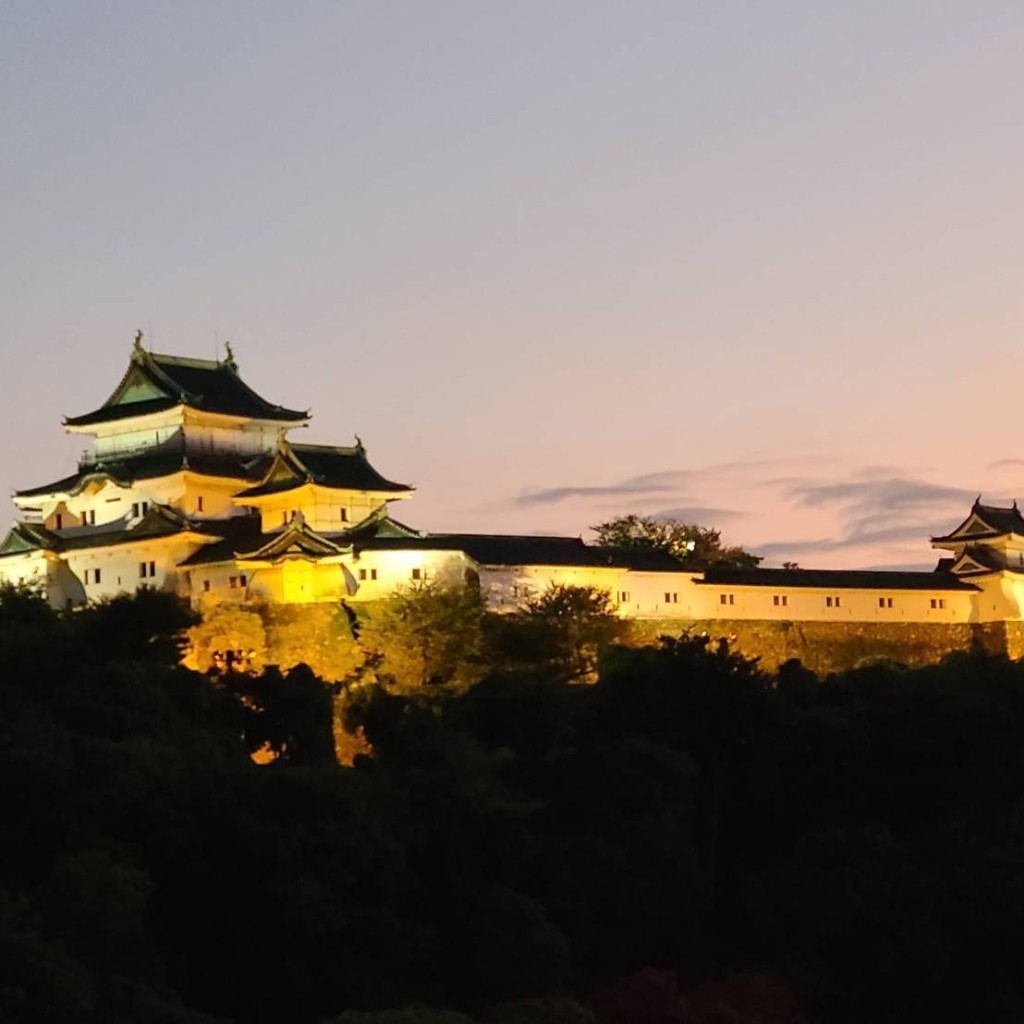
{"type": "Point", "coordinates": [229, 359]}
{"type": "Point", "coordinates": [138, 352]}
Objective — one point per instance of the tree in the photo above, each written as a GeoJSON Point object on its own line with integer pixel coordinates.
{"type": "Point", "coordinates": [696, 547]}
{"type": "Point", "coordinates": [561, 630]}
{"type": "Point", "coordinates": [428, 633]}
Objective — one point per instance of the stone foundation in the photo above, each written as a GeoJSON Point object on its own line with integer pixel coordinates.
{"type": "Point", "coordinates": [826, 647]}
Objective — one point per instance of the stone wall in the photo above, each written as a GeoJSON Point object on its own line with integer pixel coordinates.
{"type": "Point", "coordinates": [825, 647]}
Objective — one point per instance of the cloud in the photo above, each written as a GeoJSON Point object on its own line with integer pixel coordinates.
{"type": "Point", "coordinates": [669, 481]}
{"type": "Point", "coordinates": [854, 539]}
{"type": "Point", "coordinates": [627, 488]}
{"type": "Point", "coordinates": [701, 514]}
{"type": "Point", "coordinates": [879, 494]}
{"type": "Point", "coordinates": [1006, 464]}
{"type": "Point", "coordinates": [875, 509]}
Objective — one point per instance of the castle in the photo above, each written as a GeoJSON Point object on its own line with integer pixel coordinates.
{"type": "Point", "coordinates": [193, 485]}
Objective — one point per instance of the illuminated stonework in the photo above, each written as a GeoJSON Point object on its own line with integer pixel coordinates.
{"type": "Point", "coordinates": [193, 485]}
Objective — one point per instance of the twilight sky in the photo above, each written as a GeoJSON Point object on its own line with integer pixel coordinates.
{"type": "Point", "coordinates": [753, 265]}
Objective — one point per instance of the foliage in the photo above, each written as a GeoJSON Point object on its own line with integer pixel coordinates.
{"type": "Point", "coordinates": [560, 631]}
{"type": "Point", "coordinates": [696, 547]}
{"type": "Point", "coordinates": [317, 635]}
{"type": "Point", "coordinates": [427, 634]}
{"type": "Point", "coordinates": [228, 637]}
{"type": "Point", "coordinates": [688, 838]}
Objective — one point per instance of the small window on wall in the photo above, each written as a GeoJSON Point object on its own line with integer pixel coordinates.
{"type": "Point", "coordinates": [93, 575]}
{"type": "Point", "coordinates": [780, 600]}
{"type": "Point", "coordinates": [831, 602]}
{"type": "Point", "coordinates": [938, 602]}
{"type": "Point", "coordinates": [199, 503]}
{"type": "Point", "coordinates": [623, 597]}
{"type": "Point", "coordinates": [373, 574]}
{"type": "Point", "coordinates": [344, 515]}
{"type": "Point", "coordinates": [362, 574]}
{"type": "Point", "coordinates": [417, 574]}
{"type": "Point", "coordinates": [726, 598]}
{"type": "Point", "coordinates": [58, 522]}
{"type": "Point", "coordinates": [206, 586]}
{"type": "Point", "coordinates": [885, 602]}
{"type": "Point", "coordinates": [671, 598]}
{"type": "Point", "coordinates": [243, 581]}
{"type": "Point", "coordinates": [89, 517]}
{"type": "Point", "coordinates": [284, 518]}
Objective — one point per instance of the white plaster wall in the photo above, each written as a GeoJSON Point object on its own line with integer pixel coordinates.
{"type": "Point", "coordinates": [811, 604]}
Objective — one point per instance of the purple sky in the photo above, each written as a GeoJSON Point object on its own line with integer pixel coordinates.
{"type": "Point", "coordinates": [755, 265]}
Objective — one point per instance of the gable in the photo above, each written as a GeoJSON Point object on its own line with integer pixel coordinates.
{"type": "Point", "coordinates": [973, 526]}
{"type": "Point", "coordinates": [137, 387]}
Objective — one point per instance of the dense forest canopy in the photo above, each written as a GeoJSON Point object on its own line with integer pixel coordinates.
{"type": "Point", "coordinates": [686, 839]}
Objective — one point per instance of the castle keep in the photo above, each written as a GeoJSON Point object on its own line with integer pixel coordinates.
{"type": "Point", "coordinates": [193, 484]}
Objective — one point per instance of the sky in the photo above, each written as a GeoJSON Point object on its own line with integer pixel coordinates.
{"type": "Point", "coordinates": [756, 266]}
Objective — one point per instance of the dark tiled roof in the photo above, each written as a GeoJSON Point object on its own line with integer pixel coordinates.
{"type": "Point", "coordinates": [153, 383]}
{"type": "Point", "coordinates": [24, 537]}
{"type": "Point", "coordinates": [985, 557]}
{"type": "Point", "coordinates": [153, 465]}
{"type": "Point", "coordinates": [296, 537]}
{"type": "Point", "coordinates": [325, 465]}
{"type": "Point", "coordinates": [499, 549]}
{"type": "Point", "coordinates": [159, 521]}
{"type": "Point", "coordinates": [1000, 521]}
{"type": "Point", "coordinates": [834, 579]}
{"type": "Point", "coordinates": [240, 533]}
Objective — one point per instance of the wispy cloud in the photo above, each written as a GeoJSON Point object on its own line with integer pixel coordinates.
{"type": "Point", "coordinates": [853, 539]}
{"type": "Point", "coordinates": [626, 488]}
{"type": "Point", "coordinates": [890, 494]}
{"type": "Point", "coordinates": [705, 515]}
{"type": "Point", "coordinates": [875, 509]}
{"type": "Point", "coordinates": [670, 481]}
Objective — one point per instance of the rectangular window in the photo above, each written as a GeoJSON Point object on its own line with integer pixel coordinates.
{"type": "Point", "coordinates": [284, 518]}
{"type": "Point", "coordinates": [233, 582]}
{"type": "Point", "coordinates": [828, 602]}
{"type": "Point", "coordinates": [938, 602]}
{"type": "Point", "coordinates": [362, 574]}
{"type": "Point", "coordinates": [780, 600]}
{"type": "Point", "coordinates": [417, 574]}
{"type": "Point", "coordinates": [59, 522]}
{"type": "Point", "coordinates": [142, 570]}
{"type": "Point", "coordinates": [344, 515]}
{"type": "Point", "coordinates": [152, 568]}
{"type": "Point", "coordinates": [243, 581]}
{"type": "Point", "coordinates": [89, 517]}
{"type": "Point", "coordinates": [206, 586]}
{"type": "Point", "coordinates": [726, 599]}
{"type": "Point", "coordinates": [671, 598]}
{"type": "Point", "coordinates": [199, 503]}
{"type": "Point", "coordinates": [885, 602]}
{"type": "Point", "coordinates": [623, 597]}
{"type": "Point", "coordinates": [373, 574]}
{"type": "Point", "coordinates": [135, 509]}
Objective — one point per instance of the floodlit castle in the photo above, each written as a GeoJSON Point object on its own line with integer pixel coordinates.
{"type": "Point", "coordinates": [192, 484]}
